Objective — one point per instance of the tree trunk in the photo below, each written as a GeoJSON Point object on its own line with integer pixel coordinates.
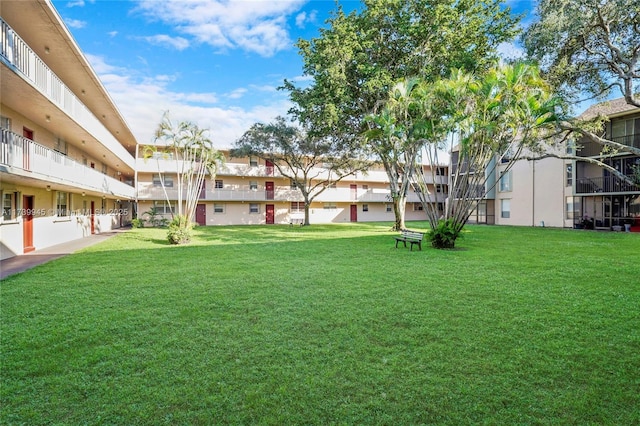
{"type": "Point", "coordinates": [306, 210]}
{"type": "Point", "coordinates": [399, 207]}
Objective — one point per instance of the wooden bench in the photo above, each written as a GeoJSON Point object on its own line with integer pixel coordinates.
{"type": "Point", "coordinates": [411, 237]}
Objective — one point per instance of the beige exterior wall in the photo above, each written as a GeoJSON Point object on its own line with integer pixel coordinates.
{"type": "Point", "coordinates": [537, 195]}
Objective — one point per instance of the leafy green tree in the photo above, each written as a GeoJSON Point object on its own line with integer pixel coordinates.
{"type": "Point", "coordinates": [499, 114]}
{"type": "Point", "coordinates": [312, 163]}
{"type": "Point", "coordinates": [588, 47]}
{"type": "Point", "coordinates": [195, 158]}
{"type": "Point", "coordinates": [357, 60]}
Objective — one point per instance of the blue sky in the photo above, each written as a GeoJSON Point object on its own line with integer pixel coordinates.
{"type": "Point", "coordinates": [214, 62]}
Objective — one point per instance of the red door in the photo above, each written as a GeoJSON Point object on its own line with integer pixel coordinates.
{"type": "Point", "coordinates": [92, 217]}
{"type": "Point", "coordinates": [26, 148]}
{"type": "Point", "coordinates": [269, 165]}
{"type": "Point", "coordinates": [269, 190]}
{"type": "Point", "coordinates": [354, 212]}
{"type": "Point", "coordinates": [354, 192]}
{"type": "Point", "coordinates": [27, 223]}
{"type": "Point", "coordinates": [270, 215]}
{"type": "Point", "coordinates": [203, 190]}
{"type": "Point", "coordinates": [201, 214]}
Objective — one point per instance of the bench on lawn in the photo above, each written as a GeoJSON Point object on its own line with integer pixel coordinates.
{"type": "Point", "coordinates": [296, 218]}
{"type": "Point", "coordinates": [411, 237]}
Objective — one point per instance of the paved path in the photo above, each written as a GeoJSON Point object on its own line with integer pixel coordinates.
{"type": "Point", "coordinates": [23, 262]}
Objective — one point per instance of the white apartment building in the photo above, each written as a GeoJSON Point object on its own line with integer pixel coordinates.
{"type": "Point", "coordinates": [252, 191]}
{"type": "Point", "coordinates": [66, 154]}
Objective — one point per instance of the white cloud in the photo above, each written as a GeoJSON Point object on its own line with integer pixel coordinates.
{"type": "Point", "coordinates": [75, 23]}
{"type": "Point", "coordinates": [177, 43]}
{"type": "Point", "coordinates": [112, 33]}
{"type": "Point", "coordinates": [510, 51]}
{"type": "Point", "coordinates": [143, 99]}
{"type": "Point", "coordinates": [237, 93]}
{"type": "Point", "coordinates": [255, 26]}
{"type": "Point", "coordinates": [302, 18]}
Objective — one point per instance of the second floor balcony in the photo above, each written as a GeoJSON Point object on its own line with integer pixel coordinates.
{"type": "Point", "coordinates": [592, 149]}
{"type": "Point", "coordinates": [234, 193]}
{"type": "Point", "coordinates": [606, 184]}
{"type": "Point", "coordinates": [22, 156]}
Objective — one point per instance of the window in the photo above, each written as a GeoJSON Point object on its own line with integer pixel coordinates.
{"type": "Point", "coordinates": [389, 208]}
{"type": "Point", "coordinates": [417, 207]}
{"type": "Point", "coordinates": [218, 208]}
{"type": "Point", "coordinates": [569, 175]}
{"type": "Point", "coordinates": [365, 187]}
{"type": "Point", "coordinates": [62, 199]}
{"type": "Point", "coordinates": [505, 181]}
{"type": "Point", "coordinates": [5, 123]}
{"type": "Point", "coordinates": [162, 207]}
{"type": "Point", "coordinates": [573, 207]}
{"type": "Point", "coordinates": [104, 169]}
{"type": "Point", "coordinates": [505, 209]}
{"type": "Point", "coordinates": [253, 161]}
{"type": "Point", "coordinates": [329, 206]}
{"type": "Point", "coordinates": [253, 185]}
{"type": "Point", "coordinates": [254, 208]}
{"type": "Point", "coordinates": [9, 205]}
{"type": "Point", "coordinates": [219, 184]}
{"type": "Point", "coordinates": [297, 206]}
{"type": "Point", "coordinates": [365, 207]}
{"type": "Point", "coordinates": [168, 181]}
{"type": "Point", "coordinates": [60, 146]}
{"type": "Point", "coordinates": [292, 184]}
{"type": "Point", "coordinates": [440, 171]}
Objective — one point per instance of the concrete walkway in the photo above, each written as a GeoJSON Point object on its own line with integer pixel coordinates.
{"type": "Point", "coordinates": [23, 262]}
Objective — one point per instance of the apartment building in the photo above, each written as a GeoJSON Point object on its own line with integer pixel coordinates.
{"type": "Point", "coordinates": [604, 200]}
{"type": "Point", "coordinates": [252, 191]}
{"type": "Point", "coordinates": [67, 157]}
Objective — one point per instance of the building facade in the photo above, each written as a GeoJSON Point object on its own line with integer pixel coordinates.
{"type": "Point", "coordinates": [252, 191]}
{"type": "Point", "coordinates": [603, 199]}
{"type": "Point", "coordinates": [66, 154]}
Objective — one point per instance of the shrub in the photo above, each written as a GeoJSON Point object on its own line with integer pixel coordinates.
{"type": "Point", "coordinates": [444, 235]}
{"type": "Point", "coordinates": [137, 223]}
{"type": "Point", "coordinates": [179, 230]}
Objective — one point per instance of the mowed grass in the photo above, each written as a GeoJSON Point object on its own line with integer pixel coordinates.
{"type": "Point", "coordinates": [327, 325]}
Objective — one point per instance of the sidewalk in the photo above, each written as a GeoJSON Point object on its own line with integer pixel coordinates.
{"type": "Point", "coordinates": [23, 262]}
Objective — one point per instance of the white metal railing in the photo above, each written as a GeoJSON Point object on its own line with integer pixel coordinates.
{"type": "Point", "coordinates": [17, 152]}
{"type": "Point", "coordinates": [24, 60]}
{"type": "Point", "coordinates": [283, 193]}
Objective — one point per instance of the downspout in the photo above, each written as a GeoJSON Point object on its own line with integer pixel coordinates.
{"type": "Point", "coordinates": [533, 195]}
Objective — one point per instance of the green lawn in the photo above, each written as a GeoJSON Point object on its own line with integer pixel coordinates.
{"type": "Point", "coordinates": [327, 325]}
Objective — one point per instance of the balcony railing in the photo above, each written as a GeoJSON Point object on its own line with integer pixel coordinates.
{"type": "Point", "coordinates": [244, 193]}
{"type": "Point", "coordinates": [24, 60]}
{"type": "Point", "coordinates": [598, 185]}
{"type": "Point", "coordinates": [18, 153]}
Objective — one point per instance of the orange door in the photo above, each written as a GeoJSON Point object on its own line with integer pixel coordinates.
{"type": "Point", "coordinates": [270, 215]}
{"type": "Point", "coordinates": [27, 223]}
